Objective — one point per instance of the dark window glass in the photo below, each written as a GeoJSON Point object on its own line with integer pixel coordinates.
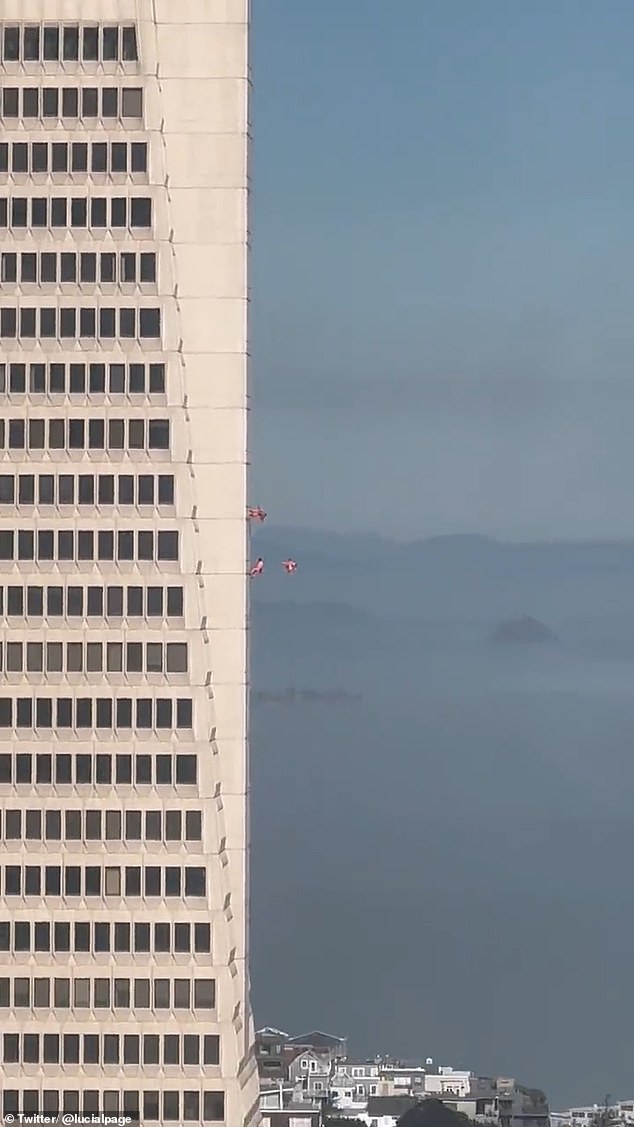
{"type": "Point", "coordinates": [10, 106]}
{"type": "Point", "coordinates": [9, 267]}
{"type": "Point", "coordinates": [11, 44]}
{"type": "Point", "coordinates": [129, 45]}
{"type": "Point", "coordinates": [110, 44]}
{"type": "Point", "coordinates": [147, 271]}
{"type": "Point", "coordinates": [141, 212]}
{"type": "Point", "coordinates": [31, 102]}
{"type": "Point", "coordinates": [48, 268]}
{"type": "Point", "coordinates": [78, 210]}
{"type": "Point", "coordinates": [99, 157]}
{"type": "Point", "coordinates": [50, 101]}
{"type": "Point", "coordinates": [37, 377]}
{"type": "Point", "coordinates": [18, 212]}
{"type": "Point", "coordinates": [40, 157]}
{"type": "Point", "coordinates": [118, 212]}
{"type": "Point", "coordinates": [80, 164]}
{"type": "Point", "coordinates": [138, 156]}
{"type": "Point", "coordinates": [89, 101]}
{"type": "Point", "coordinates": [107, 325]}
{"type": "Point", "coordinates": [119, 157]}
{"type": "Point", "coordinates": [67, 322]}
{"type": "Point", "coordinates": [98, 216]}
{"type": "Point", "coordinates": [71, 43]}
{"type": "Point", "coordinates": [20, 160]}
{"type": "Point", "coordinates": [90, 52]}
{"type": "Point", "coordinates": [4, 157]}
{"type": "Point", "coordinates": [70, 102]}
{"type": "Point", "coordinates": [59, 162]}
{"type": "Point", "coordinates": [109, 101]}
{"type": "Point", "coordinates": [57, 384]}
{"type": "Point", "coordinates": [77, 379]}
{"type": "Point", "coordinates": [47, 323]}
{"type": "Point", "coordinates": [27, 325]}
{"type": "Point", "coordinates": [88, 268]}
{"type": "Point", "coordinates": [51, 42]}
{"type": "Point", "coordinates": [59, 218]}
{"type": "Point", "coordinates": [107, 266]}
{"type": "Point", "coordinates": [32, 44]}
{"type": "Point", "coordinates": [39, 212]}
{"type": "Point", "coordinates": [87, 328]}
{"type": "Point", "coordinates": [127, 323]}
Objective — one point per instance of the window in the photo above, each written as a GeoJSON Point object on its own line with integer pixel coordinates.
{"type": "Point", "coordinates": [138, 156]}
{"type": "Point", "coordinates": [109, 101]}
{"type": "Point", "coordinates": [10, 103]}
{"type": "Point", "coordinates": [31, 44]}
{"type": "Point", "coordinates": [31, 102]}
{"type": "Point", "coordinates": [80, 159]}
{"type": "Point", "coordinates": [129, 45]}
{"type": "Point", "coordinates": [50, 101]}
{"type": "Point", "coordinates": [71, 43]}
{"type": "Point", "coordinates": [119, 157]}
{"type": "Point", "coordinates": [141, 212]}
{"type": "Point", "coordinates": [51, 43]}
{"type": "Point", "coordinates": [132, 102]}
{"type": "Point", "coordinates": [89, 101]}
{"type": "Point", "coordinates": [59, 160]}
{"type": "Point", "coordinates": [39, 157]}
{"type": "Point", "coordinates": [70, 102]}
{"type": "Point", "coordinates": [11, 45]}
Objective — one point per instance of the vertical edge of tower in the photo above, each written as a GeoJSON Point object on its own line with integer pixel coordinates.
{"type": "Point", "coordinates": [198, 112]}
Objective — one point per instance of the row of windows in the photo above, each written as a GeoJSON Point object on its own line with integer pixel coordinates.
{"type": "Point", "coordinates": [106, 993]}
{"type": "Point", "coordinates": [87, 545]}
{"type": "Point", "coordinates": [100, 770]}
{"type": "Point", "coordinates": [72, 157]}
{"type": "Point", "coordinates": [93, 657]}
{"type": "Point", "coordinates": [68, 323]}
{"type": "Point", "coordinates": [33, 43]}
{"type": "Point", "coordinates": [73, 880]}
{"type": "Point", "coordinates": [91, 602]}
{"type": "Point", "coordinates": [89, 269]}
{"type": "Point", "coordinates": [111, 1048]}
{"type": "Point", "coordinates": [81, 379]}
{"type": "Point", "coordinates": [101, 825]}
{"type": "Point", "coordinates": [104, 937]}
{"type": "Point", "coordinates": [116, 212]}
{"type": "Point", "coordinates": [84, 434]}
{"type": "Point", "coordinates": [141, 713]}
{"type": "Point", "coordinates": [87, 489]}
{"type": "Point", "coordinates": [50, 103]}
{"type": "Point", "coordinates": [166, 1106]}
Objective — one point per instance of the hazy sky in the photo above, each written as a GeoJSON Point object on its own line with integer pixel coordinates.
{"type": "Point", "coordinates": [443, 231]}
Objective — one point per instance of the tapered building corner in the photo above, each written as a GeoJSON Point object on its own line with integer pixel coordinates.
{"type": "Point", "coordinates": [123, 560]}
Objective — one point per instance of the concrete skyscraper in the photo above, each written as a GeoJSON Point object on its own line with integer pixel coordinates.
{"type": "Point", "coordinates": [123, 560]}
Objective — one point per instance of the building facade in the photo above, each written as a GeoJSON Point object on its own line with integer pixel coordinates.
{"type": "Point", "coordinates": [123, 560]}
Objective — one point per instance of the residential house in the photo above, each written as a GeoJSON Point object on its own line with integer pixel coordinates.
{"type": "Point", "coordinates": [309, 1072]}
{"type": "Point", "coordinates": [353, 1082]}
{"type": "Point", "coordinates": [448, 1082]}
{"type": "Point", "coordinates": [396, 1078]}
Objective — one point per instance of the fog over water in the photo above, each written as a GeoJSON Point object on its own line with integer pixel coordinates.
{"type": "Point", "coordinates": [443, 868]}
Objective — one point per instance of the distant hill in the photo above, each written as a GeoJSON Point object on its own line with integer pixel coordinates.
{"type": "Point", "coordinates": [523, 630]}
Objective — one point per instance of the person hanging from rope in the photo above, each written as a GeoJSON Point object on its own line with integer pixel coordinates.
{"type": "Point", "coordinates": [257, 568]}
{"type": "Point", "coordinates": [289, 566]}
{"type": "Point", "coordinates": [256, 513]}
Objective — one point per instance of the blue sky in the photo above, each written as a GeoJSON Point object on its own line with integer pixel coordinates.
{"type": "Point", "coordinates": [443, 267]}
